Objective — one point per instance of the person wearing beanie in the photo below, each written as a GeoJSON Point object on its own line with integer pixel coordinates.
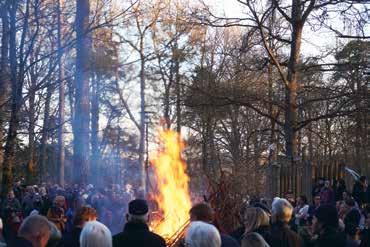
{"type": "Point", "coordinates": [136, 232]}
{"type": "Point", "coordinates": [325, 224]}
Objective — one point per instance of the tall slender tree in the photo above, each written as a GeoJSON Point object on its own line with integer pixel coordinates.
{"type": "Point", "coordinates": [82, 100]}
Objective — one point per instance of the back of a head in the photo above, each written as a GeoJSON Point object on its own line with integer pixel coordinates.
{"type": "Point", "coordinates": [281, 210]}
{"type": "Point", "coordinates": [95, 234]}
{"type": "Point", "coordinates": [327, 215]}
{"type": "Point", "coordinates": [254, 218]}
{"type": "Point", "coordinates": [202, 212]}
{"type": "Point", "coordinates": [201, 234]}
{"type": "Point", "coordinates": [35, 227]}
{"type": "Point", "coordinates": [253, 239]}
{"type": "Point", "coordinates": [83, 215]}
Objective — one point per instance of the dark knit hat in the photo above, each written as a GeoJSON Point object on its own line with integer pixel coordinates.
{"type": "Point", "coordinates": [327, 215]}
{"type": "Point", "coordinates": [138, 207]}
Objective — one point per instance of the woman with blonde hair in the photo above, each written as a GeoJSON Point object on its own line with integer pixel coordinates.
{"type": "Point", "coordinates": [256, 220]}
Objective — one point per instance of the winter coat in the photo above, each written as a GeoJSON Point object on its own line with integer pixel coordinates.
{"type": "Point", "coordinates": [282, 236]}
{"type": "Point", "coordinates": [137, 234]}
{"type": "Point", "coordinates": [72, 239]}
{"type": "Point", "coordinates": [331, 237]}
{"type": "Point", "coordinates": [227, 241]}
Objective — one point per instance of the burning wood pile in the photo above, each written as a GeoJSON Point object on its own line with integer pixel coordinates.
{"type": "Point", "coordinates": [172, 195]}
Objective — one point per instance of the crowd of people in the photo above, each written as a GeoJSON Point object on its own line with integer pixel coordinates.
{"type": "Point", "coordinates": [51, 216]}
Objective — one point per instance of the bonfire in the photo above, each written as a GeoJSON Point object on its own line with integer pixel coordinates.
{"type": "Point", "coordinates": [172, 184]}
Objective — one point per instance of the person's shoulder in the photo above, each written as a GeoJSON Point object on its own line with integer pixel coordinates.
{"type": "Point", "coordinates": [228, 241]}
{"type": "Point", "coordinates": [160, 240]}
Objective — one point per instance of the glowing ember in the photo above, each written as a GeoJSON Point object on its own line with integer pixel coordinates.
{"type": "Point", "coordinates": [172, 183]}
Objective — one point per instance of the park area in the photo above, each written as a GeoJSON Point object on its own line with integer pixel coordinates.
{"type": "Point", "coordinates": [201, 123]}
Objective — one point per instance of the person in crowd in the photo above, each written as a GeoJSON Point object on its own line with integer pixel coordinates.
{"type": "Point", "coordinates": [136, 232]}
{"type": "Point", "coordinates": [317, 188]}
{"type": "Point", "coordinates": [201, 234]}
{"type": "Point", "coordinates": [281, 234]}
{"type": "Point", "coordinates": [82, 216]}
{"type": "Point", "coordinates": [253, 239]}
{"type": "Point", "coordinates": [325, 225]}
{"type": "Point", "coordinates": [56, 213]}
{"type": "Point", "coordinates": [256, 220]}
{"type": "Point", "coordinates": [95, 234]}
{"type": "Point", "coordinates": [55, 236]}
{"type": "Point", "coordinates": [289, 196]}
{"type": "Point", "coordinates": [340, 187]}
{"type": "Point", "coordinates": [365, 234]}
{"type": "Point", "coordinates": [352, 214]}
{"type": "Point", "coordinates": [359, 191]}
{"type": "Point", "coordinates": [204, 212]}
{"type": "Point", "coordinates": [353, 235]}
{"type": "Point", "coordinates": [12, 213]}
{"type": "Point", "coordinates": [2, 240]}
{"type": "Point", "coordinates": [316, 204]}
{"type": "Point", "coordinates": [301, 210]}
{"type": "Point", "coordinates": [327, 194]}
{"type": "Point", "coordinates": [34, 232]}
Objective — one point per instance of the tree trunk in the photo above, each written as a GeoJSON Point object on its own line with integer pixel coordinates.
{"type": "Point", "coordinates": [177, 88]}
{"type": "Point", "coordinates": [5, 83]}
{"type": "Point", "coordinates": [142, 123]}
{"type": "Point", "coordinates": [45, 132]}
{"type": "Point", "coordinates": [61, 154]}
{"type": "Point", "coordinates": [82, 108]}
{"type": "Point", "coordinates": [95, 150]}
{"type": "Point", "coordinates": [16, 100]}
{"type": "Point", "coordinates": [291, 107]}
{"type": "Point", "coordinates": [31, 132]}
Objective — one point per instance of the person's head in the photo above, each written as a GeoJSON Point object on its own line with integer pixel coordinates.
{"type": "Point", "coordinates": [345, 195]}
{"type": "Point", "coordinates": [11, 194]}
{"type": "Point", "coordinates": [138, 211]}
{"type": "Point", "coordinates": [317, 200]}
{"type": "Point", "coordinates": [349, 203]}
{"type": "Point", "coordinates": [254, 218]}
{"type": "Point", "coordinates": [84, 214]}
{"type": "Point", "coordinates": [282, 210]}
{"type": "Point", "coordinates": [202, 212]}
{"type": "Point", "coordinates": [321, 181]}
{"type": "Point", "coordinates": [363, 180]}
{"type": "Point", "coordinates": [326, 216]}
{"type": "Point", "coordinates": [302, 200]}
{"type": "Point", "coordinates": [253, 239]}
{"type": "Point", "coordinates": [327, 183]}
{"type": "Point", "coordinates": [95, 234]}
{"type": "Point", "coordinates": [201, 234]}
{"type": "Point", "coordinates": [35, 229]}
{"type": "Point", "coordinates": [341, 183]}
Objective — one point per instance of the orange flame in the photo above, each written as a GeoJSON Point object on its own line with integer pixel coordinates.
{"type": "Point", "coordinates": [172, 182]}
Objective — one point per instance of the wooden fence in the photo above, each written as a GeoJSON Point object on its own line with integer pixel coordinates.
{"type": "Point", "coordinates": [300, 176]}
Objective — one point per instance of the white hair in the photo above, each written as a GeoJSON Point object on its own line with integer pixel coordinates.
{"type": "Point", "coordinates": [138, 218]}
{"type": "Point", "coordinates": [95, 234]}
{"type": "Point", "coordinates": [201, 234]}
{"type": "Point", "coordinates": [281, 210]}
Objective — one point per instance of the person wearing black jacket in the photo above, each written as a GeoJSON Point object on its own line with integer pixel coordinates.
{"type": "Point", "coordinates": [83, 215]}
{"type": "Point", "coordinates": [136, 232]}
{"type": "Point", "coordinates": [359, 191]}
{"type": "Point", "coordinates": [325, 224]}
